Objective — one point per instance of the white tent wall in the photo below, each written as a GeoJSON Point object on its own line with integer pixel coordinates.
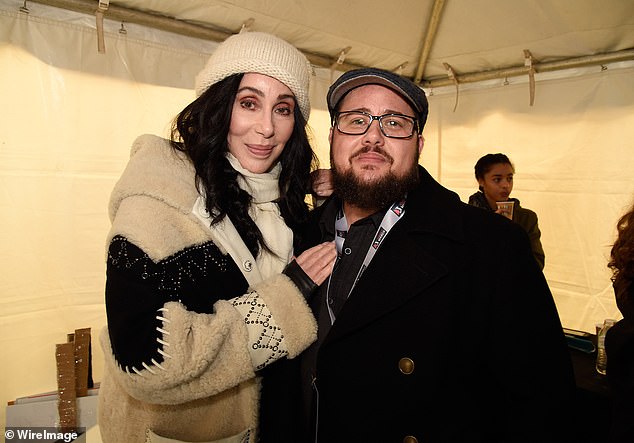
{"type": "Point", "coordinates": [69, 117]}
{"type": "Point", "coordinates": [574, 164]}
{"type": "Point", "coordinates": [70, 114]}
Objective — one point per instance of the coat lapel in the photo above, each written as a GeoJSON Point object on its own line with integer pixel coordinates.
{"type": "Point", "coordinates": [405, 265]}
{"type": "Point", "coordinates": [388, 283]}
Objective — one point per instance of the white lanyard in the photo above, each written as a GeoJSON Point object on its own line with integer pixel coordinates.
{"type": "Point", "coordinates": [391, 217]}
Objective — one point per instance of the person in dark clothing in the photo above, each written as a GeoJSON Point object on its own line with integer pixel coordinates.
{"type": "Point", "coordinates": [619, 341]}
{"type": "Point", "coordinates": [494, 173]}
{"type": "Point", "coordinates": [416, 341]}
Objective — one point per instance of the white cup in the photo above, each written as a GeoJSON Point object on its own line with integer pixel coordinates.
{"type": "Point", "coordinates": [506, 209]}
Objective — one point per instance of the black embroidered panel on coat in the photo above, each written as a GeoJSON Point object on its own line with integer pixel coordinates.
{"type": "Point", "coordinates": [137, 287]}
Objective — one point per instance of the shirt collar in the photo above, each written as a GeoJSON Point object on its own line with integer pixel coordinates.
{"type": "Point", "coordinates": [332, 206]}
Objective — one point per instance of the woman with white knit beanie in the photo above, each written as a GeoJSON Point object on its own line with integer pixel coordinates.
{"type": "Point", "coordinates": [202, 288]}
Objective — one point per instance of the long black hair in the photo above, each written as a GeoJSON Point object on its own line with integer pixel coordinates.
{"type": "Point", "coordinates": [200, 131]}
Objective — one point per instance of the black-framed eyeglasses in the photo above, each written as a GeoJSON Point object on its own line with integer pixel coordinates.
{"type": "Point", "coordinates": [391, 125]}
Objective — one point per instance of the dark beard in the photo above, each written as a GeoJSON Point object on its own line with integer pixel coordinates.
{"type": "Point", "coordinates": [373, 195]}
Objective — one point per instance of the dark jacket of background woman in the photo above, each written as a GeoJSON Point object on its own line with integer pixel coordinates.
{"type": "Point", "coordinates": [619, 341]}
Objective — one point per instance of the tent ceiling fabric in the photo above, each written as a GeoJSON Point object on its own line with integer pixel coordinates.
{"type": "Point", "coordinates": [472, 36]}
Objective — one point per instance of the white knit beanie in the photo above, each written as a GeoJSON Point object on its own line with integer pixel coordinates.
{"type": "Point", "coordinates": [261, 53]}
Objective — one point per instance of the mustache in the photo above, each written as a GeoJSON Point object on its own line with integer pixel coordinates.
{"type": "Point", "coordinates": [376, 149]}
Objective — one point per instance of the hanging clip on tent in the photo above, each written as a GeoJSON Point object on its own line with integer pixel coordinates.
{"type": "Point", "coordinates": [528, 62]}
{"type": "Point", "coordinates": [339, 62]}
{"type": "Point", "coordinates": [452, 75]}
{"type": "Point", "coordinates": [342, 57]}
{"type": "Point", "coordinates": [101, 9]}
{"type": "Point", "coordinates": [399, 69]}
{"type": "Point", "coordinates": [246, 26]}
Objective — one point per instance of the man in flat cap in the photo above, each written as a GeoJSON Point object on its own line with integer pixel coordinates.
{"type": "Point", "coordinates": [436, 323]}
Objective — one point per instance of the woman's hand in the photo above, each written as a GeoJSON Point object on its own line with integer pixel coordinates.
{"type": "Point", "coordinates": [321, 183]}
{"type": "Point", "coordinates": [318, 261]}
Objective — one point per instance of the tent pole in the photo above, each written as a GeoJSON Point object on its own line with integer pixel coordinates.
{"type": "Point", "coordinates": [127, 15]}
{"type": "Point", "coordinates": [432, 28]}
{"type": "Point", "coordinates": [174, 25]}
{"type": "Point", "coordinates": [590, 60]}
{"type": "Point", "coordinates": [169, 24]}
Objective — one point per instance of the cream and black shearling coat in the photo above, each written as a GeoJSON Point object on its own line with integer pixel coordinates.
{"type": "Point", "coordinates": [186, 331]}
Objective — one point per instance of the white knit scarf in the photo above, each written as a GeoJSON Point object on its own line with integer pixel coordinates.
{"type": "Point", "coordinates": [264, 189]}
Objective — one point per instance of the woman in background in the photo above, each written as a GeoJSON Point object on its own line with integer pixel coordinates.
{"type": "Point", "coordinates": [619, 341]}
{"type": "Point", "coordinates": [494, 173]}
{"type": "Point", "coordinates": [200, 295]}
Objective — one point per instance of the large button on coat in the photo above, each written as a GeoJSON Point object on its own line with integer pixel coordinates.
{"type": "Point", "coordinates": [406, 365]}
